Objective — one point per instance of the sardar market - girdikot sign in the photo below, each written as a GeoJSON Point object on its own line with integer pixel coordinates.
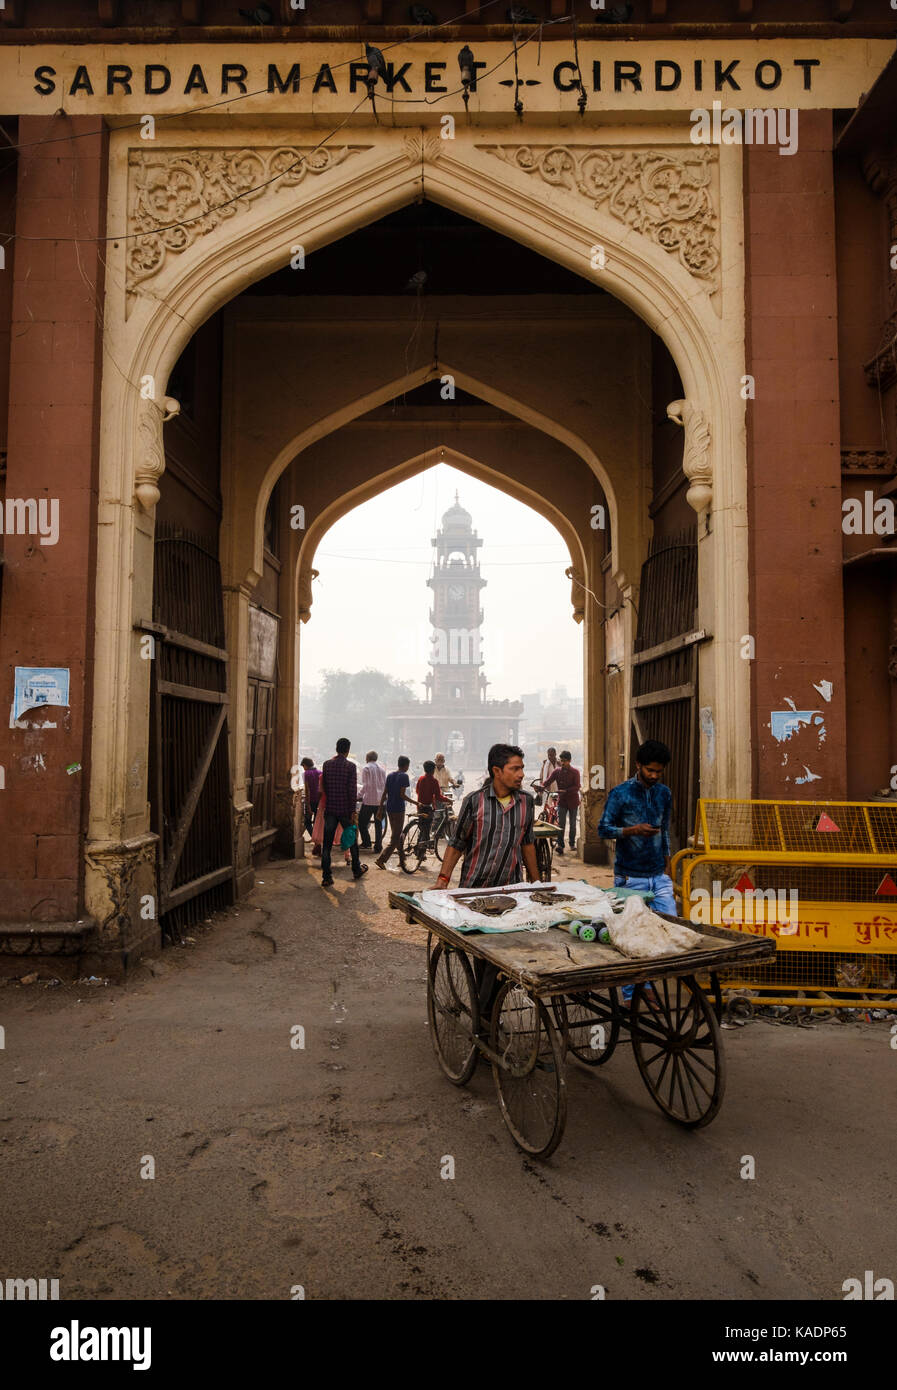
{"type": "Point", "coordinates": [310, 76]}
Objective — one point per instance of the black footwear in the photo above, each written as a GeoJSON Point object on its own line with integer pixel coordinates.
{"type": "Point", "coordinates": [379, 863]}
{"type": "Point", "coordinates": [326, 882]}
{"type": "Point", "coordinates": [363, 871]}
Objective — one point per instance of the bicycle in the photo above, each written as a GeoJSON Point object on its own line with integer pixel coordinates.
{"type": "Point", "coordinates": [548, 815]}
{"type": "Point", "coordinates": [545, 842]}
{"type": "Point", "coordinates": [423, 833]}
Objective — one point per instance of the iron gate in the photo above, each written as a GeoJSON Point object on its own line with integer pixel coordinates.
{"type": "Point", "coordinates": [664, 702]}
{"type": "Point", "coordinates": [189, 764]}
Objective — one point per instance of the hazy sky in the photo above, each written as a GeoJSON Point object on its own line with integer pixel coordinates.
{"type": "Point", "coordinates": [371, 602]}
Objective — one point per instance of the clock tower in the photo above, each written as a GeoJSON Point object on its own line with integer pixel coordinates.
{"type": "Point", "coordinates": [456, 657]}
{"type": "Point", "coordinates": [456, 718]}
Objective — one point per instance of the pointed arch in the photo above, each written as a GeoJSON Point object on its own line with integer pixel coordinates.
{"type": "Point", "coordinates": [419, 463]}
{"type": "Point", "coordinates": [390, 171]}
{"type": "Point", "coordinates": [354, 410]}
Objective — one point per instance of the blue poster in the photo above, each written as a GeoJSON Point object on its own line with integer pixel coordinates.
{"type": "Point", "coordinates": [36, 686]}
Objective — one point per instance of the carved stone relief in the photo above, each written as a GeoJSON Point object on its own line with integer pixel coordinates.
{"type": "Point", "coordinates": [874, 461]}
{"type": "Point", "coordinates": [665, 194]}
{"type": "Point", "coordinates": [696, 463]}
{"type": "Point", "coordinates": [177, 196]}
{"type": "Point", "coordinates": [150, 449]}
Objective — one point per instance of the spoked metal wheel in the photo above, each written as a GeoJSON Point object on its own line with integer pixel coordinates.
{"type": "Point", "coordinates": [588, 1034]}
{"type": "Point", "coordinates": [543, 858]}
{"type": "Point", "coordinates": [454, 1012]}
{"type": "Point", "coordinates": [678, 1049]}
{"type": "Point", "coordinates": [532, 1092]}
{"type": "Point", "coordinates": [413, 847]}
{"type": "Point", "coordinates": [446, 830]}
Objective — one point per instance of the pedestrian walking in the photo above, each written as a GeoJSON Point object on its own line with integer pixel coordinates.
{"type": "Point", "coordinates": [311, 782]}
{"type": "Point", "coordinates": [567, 779]}
{"type": "Point", "coordinates": [339, 784]}
{"type": "Point", "coordinates": [395, 795]}
{"type": "Point", "coordinates": [373, 780]}
{"type": "Point", "coordinates": [549, 763]}
{"type": "Point", "coordinates": [444, 777]}
{"type": "Point", "coordinates": [637, 816]}
{"type": "Point", "coordinates": [429, 796]}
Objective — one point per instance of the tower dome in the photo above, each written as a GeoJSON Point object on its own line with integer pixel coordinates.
{"type": "Point", "coordinates": [456, 518]}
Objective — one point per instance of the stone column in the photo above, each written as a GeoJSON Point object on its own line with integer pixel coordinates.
{"type": "Point", "coordinates": [594, 786]}
{"type": "Point", "coordinates": [794, 466]}
{"type": "Point", "coordinates": [47, 616]}
{"type": "Point", "coordinates": [288, 815]}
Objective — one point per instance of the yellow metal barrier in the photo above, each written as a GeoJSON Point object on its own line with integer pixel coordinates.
{"type": "Point", "coordinates": [819, 877]}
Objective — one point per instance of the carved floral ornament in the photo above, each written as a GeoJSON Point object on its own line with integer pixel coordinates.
{"type": "Point", "coordinates": [177, 196]}
{"type": "Point", "coordinates": [666, 194]}
{"type": "Point", "coordinates": [150, 449]}
{"type": "Point", "coordinates": [696, 463]}
{"type": "Point", "coordinates": [871, 461]}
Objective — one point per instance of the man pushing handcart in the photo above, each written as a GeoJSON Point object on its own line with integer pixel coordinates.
{"type": "Point", "coordinates": [514, 978]}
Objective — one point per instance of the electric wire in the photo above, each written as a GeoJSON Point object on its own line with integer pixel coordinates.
{"type": "Point", "coordinates": [266, 91]}
{"type": "Point", "coordinates": [7, 237]}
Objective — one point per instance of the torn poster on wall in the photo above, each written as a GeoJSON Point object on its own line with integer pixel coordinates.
{"type": "Point", "coordinates": [36, 687]}
{"type": "Point", "coordinates": [786, 722]}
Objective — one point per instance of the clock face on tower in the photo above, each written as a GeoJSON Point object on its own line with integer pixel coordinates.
{"type": "Point", "coordinates": [456, 592]}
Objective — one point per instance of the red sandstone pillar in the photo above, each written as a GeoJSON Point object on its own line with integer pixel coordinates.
{"type": "Point", "coordinates": [794, 465]}
{"type": "Point", "coordinates": [47, 615]}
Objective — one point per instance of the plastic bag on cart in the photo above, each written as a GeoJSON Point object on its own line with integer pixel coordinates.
{"type": "Point", "coordinates": [640, 934]}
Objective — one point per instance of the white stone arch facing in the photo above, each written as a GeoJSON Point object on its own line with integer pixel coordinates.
{"type": "Point", "coordinates": [249, 570]}
{"type": "Point", "coordinates": [419, 463]}
{"type": "Point", "coordinates": [388, 169]}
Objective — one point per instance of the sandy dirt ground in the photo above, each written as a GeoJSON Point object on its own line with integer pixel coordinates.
{"type": "Point", "coordinates": [320, 1167]}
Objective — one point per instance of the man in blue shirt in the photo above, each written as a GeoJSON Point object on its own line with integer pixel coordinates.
{"type": "Point", "coordinates": [637, 817]}
{"type": "Point", "coordinates": [394, 797]}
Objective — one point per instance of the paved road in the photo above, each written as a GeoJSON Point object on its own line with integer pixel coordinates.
{"type": "Point", "coordinates": [320, 1167]}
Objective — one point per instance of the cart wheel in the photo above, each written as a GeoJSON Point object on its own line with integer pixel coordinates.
{"type": "Point", "coordinates": [589, 1037]}
{"type": "Point", "coordinates": [717, 997]}
{"type": "Point", "coordinates": [454, 1013]}
{"type": "Point", "coordinates": [678, 1049]}
{"type": "Point", "coordinates": [543, 858]}
{"type": "Point", "coordinates": [532, 1092]}
{"type": "Point", "coordinates": [412, 850]}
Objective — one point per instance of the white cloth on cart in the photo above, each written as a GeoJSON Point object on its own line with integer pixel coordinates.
{"type": "Point", "coordinates": [588, 902]}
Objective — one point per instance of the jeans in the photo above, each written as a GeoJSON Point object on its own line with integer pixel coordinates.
{"type": "Point", "coordinates": [331, 821]}
{"type": "Point", "coordinates": [563, 813]}
{"type": "Point", "coordinates": [364, 820]}
{"type": "Point", "coordinates": [310, 813]}
{"type": "Point", "coordinates": [661, 885]}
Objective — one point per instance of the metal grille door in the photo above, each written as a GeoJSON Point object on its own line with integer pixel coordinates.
{"type": "Point", "coordinates": [190, 775]}
{"type": "Point", "coordinates": [665, 668]}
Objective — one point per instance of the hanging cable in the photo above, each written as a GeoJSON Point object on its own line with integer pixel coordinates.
{"type": "Point", "coordinates": [518, 104]}
{"type": "Point", "coordinates": [581, 100]}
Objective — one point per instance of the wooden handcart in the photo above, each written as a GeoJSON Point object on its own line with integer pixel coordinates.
{"type": "Point", "coordinates": [558, 996]}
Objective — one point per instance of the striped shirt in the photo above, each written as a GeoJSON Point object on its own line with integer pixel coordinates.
{"type": "Point", "coordinates": [490, 837]}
